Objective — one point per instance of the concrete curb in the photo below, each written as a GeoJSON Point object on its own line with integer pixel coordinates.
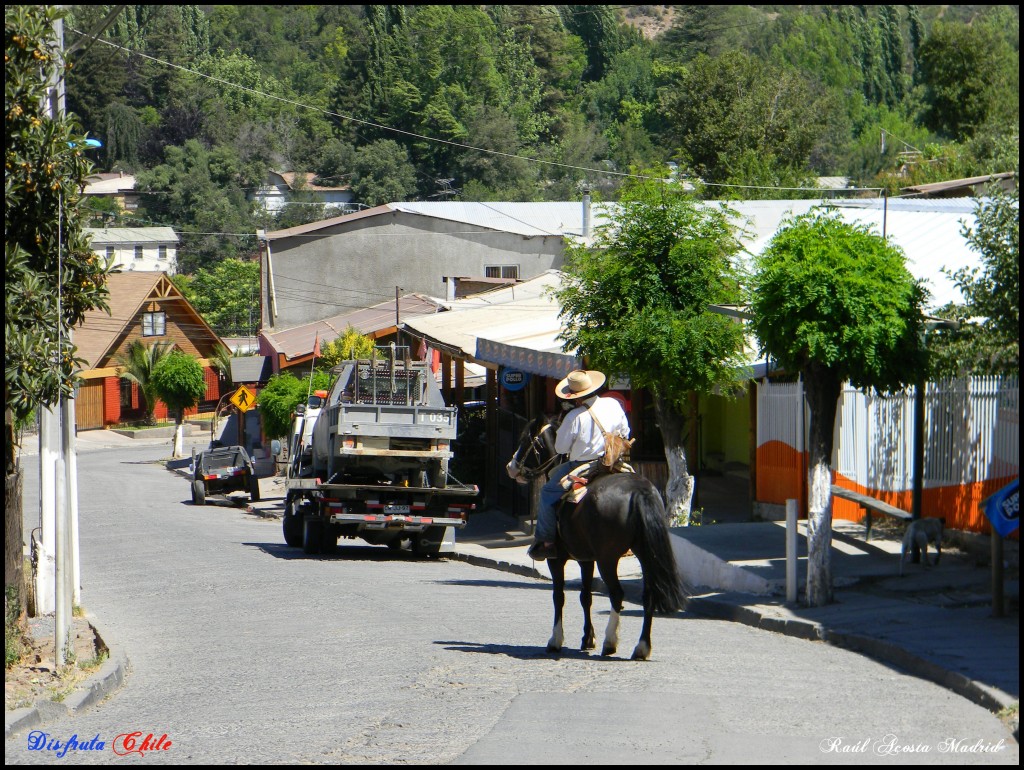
{"type": "Point", "coordinates": [107, 679]}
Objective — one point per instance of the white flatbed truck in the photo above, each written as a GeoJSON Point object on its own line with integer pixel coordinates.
{"type": "Point", "coordinates": [375, 464]}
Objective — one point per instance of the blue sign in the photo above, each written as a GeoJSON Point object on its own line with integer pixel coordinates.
{"type": "Point", "coordinates": [513, 379]}
{"type": "Point", "coordinates": [1003, 509]}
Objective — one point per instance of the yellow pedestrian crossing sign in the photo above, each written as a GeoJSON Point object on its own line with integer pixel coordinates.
{"type": "Point", "coordinates": [243, 398]}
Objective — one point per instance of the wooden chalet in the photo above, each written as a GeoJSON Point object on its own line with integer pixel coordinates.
{"type": "Point", "coordinates": [144, 306]}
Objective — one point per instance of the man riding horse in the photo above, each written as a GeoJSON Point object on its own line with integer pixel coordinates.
{"type": "Point", "coordinates": [581, 436]}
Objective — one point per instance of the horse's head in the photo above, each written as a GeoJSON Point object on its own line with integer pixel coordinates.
{"type": "Point", "coordinates": [535, 454]}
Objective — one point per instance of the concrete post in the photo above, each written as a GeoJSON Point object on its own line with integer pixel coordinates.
{"type": "Point", "coordinates": [791, 551]}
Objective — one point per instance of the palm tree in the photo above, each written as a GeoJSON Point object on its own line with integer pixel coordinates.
{"type": "Point", "coordinates": [137, 365]}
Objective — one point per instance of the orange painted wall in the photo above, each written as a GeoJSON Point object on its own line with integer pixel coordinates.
{"type": "Point", "coordinates": [781, 475]}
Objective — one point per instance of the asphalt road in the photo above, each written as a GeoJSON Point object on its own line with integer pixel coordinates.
{"type": "Point", "coordinates": [243, 651]}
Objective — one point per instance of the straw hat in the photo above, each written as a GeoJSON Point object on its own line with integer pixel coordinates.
{"type": "Point", "coordinates": [579, 384]}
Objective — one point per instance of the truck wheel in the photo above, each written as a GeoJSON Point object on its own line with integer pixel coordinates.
{"type": "Point", "coordinates": [291, 523]}
{"type": "Point", "coordinates": [254, 489]}
{"type": "Point", "coordinates": [312, 536]}
{"type": "Point", "coordinates": [198, 493]}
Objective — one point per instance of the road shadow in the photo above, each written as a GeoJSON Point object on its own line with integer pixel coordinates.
{"type": "Point", "coordinates": [357, 553]}
{"type": "Point", "coordinates": [534, 652]}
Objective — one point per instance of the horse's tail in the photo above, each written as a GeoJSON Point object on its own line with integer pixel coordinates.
{"type": "Point", "coordinates": [654, 550]}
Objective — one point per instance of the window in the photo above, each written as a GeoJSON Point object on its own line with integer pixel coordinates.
{"type": "Point", "coordinates": [126, 394]}
{"type": "Point", "coordinates": [161, 252]}
{"type": "Point", "coordinates": [110, 254]}
{"type": "Point", "coordinates": [154, 324]}
{"type": "Point", "coordinates": [138, 252]}
{"type": "Point", "coordinates": [501, 271]}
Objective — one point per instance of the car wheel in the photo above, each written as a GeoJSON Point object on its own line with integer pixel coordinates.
{"type": "Point", "coordinates": [198, 493]}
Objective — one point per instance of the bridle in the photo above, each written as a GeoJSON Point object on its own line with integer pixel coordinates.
{"type": "Point", "coordinates": [539, 445]}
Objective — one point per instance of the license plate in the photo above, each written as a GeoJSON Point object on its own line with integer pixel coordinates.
{"type": "Point", "coordinates": [391, 508]}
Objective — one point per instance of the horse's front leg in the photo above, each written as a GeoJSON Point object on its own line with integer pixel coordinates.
{"type": "Point", "coordinates": [610, 575]}
{"type": "Point", "coordinates": [586, 599]}
{"type": "Point", "coordinates": [557, 569]}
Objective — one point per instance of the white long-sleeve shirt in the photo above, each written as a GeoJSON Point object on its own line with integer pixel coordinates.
{"type": "Point", "coordinates": [580, 438]}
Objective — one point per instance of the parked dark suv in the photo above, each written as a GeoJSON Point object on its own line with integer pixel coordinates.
{"type": "Point", "coordinates": [223, 469]}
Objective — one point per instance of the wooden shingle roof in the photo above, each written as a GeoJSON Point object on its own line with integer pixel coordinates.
{"type": "Point", "coordinates": [100, 333]}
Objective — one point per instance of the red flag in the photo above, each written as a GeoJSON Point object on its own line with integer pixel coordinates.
{"type": "Point", "coordinates": [316, 346]}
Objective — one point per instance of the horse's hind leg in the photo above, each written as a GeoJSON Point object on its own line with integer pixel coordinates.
{"type": "Point", "coordinates": [557, 569]}
{"type": "Point", "coordinates": [642, 651]}
{"type": "Point", "coordinates": [586, 599]}
{"type": "Point", "coordinates": [610, 575]}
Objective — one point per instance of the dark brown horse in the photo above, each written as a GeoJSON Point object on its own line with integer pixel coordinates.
{"type": "Point", "coordinates": [620, 512]}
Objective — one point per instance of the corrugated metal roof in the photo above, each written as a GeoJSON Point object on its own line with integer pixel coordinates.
{"type": "Point", "coordinates": [109, 184]}
{"type": "Point", "coordinates": [115, 235]}
{"type": "Point", "coordinates": [251, 368]}
{"type": "Point", "coordinates": [532, 219]}
{"type": "Point", "coordinates": [957, 184]}
{"type": "Point", "coordinates": [299, 340]}
{"type": "Point", "coordinates": [928, 232]}
{"type": "Point", "coordinates": [492, 327]}
{"type": "Point", "coordinates": [552, 218]}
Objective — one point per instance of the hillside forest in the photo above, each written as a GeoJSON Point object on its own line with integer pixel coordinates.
{"type": "Point", "coordinates": [530, 102]}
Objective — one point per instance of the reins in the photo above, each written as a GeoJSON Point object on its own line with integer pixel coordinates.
{"type": "Point", "coordinates": [537, 448]}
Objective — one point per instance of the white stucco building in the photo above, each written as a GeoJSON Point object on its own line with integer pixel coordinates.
{"type": "Point", "coordinates": [151, 249]}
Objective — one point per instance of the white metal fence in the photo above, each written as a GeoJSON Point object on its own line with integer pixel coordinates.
{"type": "Point", "coordinates": [971, 433]}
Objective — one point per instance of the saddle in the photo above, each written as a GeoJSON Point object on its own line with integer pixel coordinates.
{"type": "Point", "coordinates": [576, 481]}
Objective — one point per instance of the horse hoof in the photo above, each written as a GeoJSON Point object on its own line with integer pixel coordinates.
{"type": "Point", "coordinates": [642, 652]}
{"type": "Point", "coordinates": [588, 644]}
{"type": "Point", "coordinates": [554, 649]}
{"type": "Point", "coordinates": [608, 650]}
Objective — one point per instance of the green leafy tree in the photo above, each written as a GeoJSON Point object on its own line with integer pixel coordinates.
{"type": "Point", "coordinates": [835, 302]}
{"type": "Point", "coordinates": [383, 172]}
{"type": "Point", "coordinates": [203, 191]}
{"type": "Point", "coordinates": [279, 397]}
{"type": "Point", "coordinates": [990, 341]}
{"type": "Point", "coordinates": [226, 295]}
{"type": "Point", "coordinates": [51, 276]}
{"type": "Point", "coordinates": [351, 344]}
{"type": "Point", "coordinates": [179, 381]}
{"type": "Point", "coordinates": [137, 364]}
{"type": "Point", "coordinates": [723, 106]}
{"type": "Point", "coordinates": [636, 304]}
{"type": "Point", "coordinates": [970, 75]}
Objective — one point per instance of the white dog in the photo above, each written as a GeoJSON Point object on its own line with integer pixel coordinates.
{"type": "Point", "coordinates": [920, 532]}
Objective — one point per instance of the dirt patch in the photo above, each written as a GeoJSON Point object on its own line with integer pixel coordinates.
{"type": "Point", "coordinates": [35, 676]}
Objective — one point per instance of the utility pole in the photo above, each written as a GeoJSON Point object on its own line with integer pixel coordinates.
{"type": "Point", "coordinates": [58, 493]}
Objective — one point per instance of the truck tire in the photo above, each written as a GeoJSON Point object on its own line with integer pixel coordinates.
{"type": "Point", "coordinates": [291, 523]}
{"type": "Point", "coordinates": [198, 493]}
{"type": "Point", "coordinates": [312, 536]}
{"type": "Point", "coordinates": [254, 489]}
